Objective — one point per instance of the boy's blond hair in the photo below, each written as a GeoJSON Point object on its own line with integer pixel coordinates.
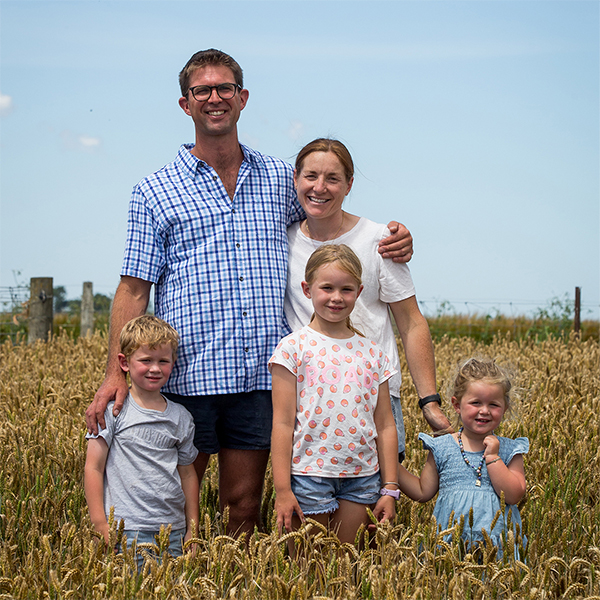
{"type": "Point", "coordinates": [150, 331]}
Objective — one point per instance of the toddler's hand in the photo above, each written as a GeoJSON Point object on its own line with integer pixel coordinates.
{"type": "Point", "coordinates": [491, 444]}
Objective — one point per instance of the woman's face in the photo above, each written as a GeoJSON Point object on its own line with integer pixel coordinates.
{"type": "Point", "coordinates": [322, 185]}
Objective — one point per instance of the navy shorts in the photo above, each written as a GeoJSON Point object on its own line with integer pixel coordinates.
{"type": "Point", "coordinates": [235, 421]}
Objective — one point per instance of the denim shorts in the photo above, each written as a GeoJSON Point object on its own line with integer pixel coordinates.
{"type": "Point", "coordinates": [235, 421]}
{"type": "Point", "coordinates": [149, 537]}
{"type": "Point", "coordinates": [399, 419]}
{"type": "Point", "coordinates": [318, 495]}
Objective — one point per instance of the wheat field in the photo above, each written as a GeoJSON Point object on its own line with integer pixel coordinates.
{"type": "Point", "coordinates": [49, 550]}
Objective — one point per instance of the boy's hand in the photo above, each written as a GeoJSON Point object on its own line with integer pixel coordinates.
{"type": "Point", "coordinates": [285, 507]}
{"type": "Point", "coordinates": [491, 444]}
{"type": "Point", "coordinates": [103, 529]}
{"type": "Point", "coordinates": [193, 547]}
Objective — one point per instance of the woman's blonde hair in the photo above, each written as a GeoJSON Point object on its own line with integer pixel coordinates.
{"type": "Point", "coordinates": [345, 258]}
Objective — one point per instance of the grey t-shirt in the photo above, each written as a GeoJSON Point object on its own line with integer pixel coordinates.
{"type": "Point", "coordinates": [141, 479]}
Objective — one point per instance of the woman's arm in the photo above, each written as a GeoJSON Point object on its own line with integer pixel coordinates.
{"type": "Point", "coordinates": [191, 491]}
{"type": "Point", "coordinates": [421, 489]}
{"type": "Point", "coordinates": [387, 451]}
{"type": "Point", "coordinates": [95, 462]}
{"type": "Point", "coordinates": [510, 478]}
{"type": "Point", "coordinates": [284, 419]}
{"type": "Point", "coordinates": [418, 349]}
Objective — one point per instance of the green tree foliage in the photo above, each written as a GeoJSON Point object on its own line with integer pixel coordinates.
{"type": "Point", "coordinates": [60, 298]}
{"type": "Point", "coordinates": [102, 303]}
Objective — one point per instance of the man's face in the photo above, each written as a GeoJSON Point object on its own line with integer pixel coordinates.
{"type": "Point", "coordinates": [215, 116]}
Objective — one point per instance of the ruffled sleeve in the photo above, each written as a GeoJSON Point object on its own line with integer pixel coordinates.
{"type": "Point", "coordinates": [440, 447]}
{"type": "Point", "coordinates": [428, 441]}
{"type": "Point", "coordinates": [510, 448]}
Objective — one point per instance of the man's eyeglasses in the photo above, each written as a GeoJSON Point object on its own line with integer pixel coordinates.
{"type": "Point", "coordinates": [226, 91]}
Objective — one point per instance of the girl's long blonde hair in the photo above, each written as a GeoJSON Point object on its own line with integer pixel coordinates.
{"type": "Point", "coordinates": [345, 259]}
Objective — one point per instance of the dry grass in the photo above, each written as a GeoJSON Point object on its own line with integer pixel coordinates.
{"type": "Point", "coordinates": [48, 550]}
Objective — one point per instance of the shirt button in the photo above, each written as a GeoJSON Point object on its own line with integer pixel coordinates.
{"type": "Point", "coordinates": [244, 314]}
{"type": "Point", "coordinates": [214, 177]}
{"type": "Point", "coordinates": [233, 210]}
{"type": "Point", "coordinates": [241, 279]}
{"type": "Point", "coordinates": [246, 349]}
{"type": "Point", "coordinates": [237, 245]}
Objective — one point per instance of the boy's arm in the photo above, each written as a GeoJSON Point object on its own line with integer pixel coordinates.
{"type": "Point", "coordinates": [387, 451]}
{"type": "Point", "coordinates": [95, 462]}
{"type": "Point", "coordinates": [510, 478]}
{"type": "Point", "coordinates": [191, 491]}
{"type": "Point", "coordinates": [284, 419]}
{"type": "Point", "coordinates": [422, 488]}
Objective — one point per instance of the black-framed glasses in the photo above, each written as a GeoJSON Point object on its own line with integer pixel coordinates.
{"type": "Point", "coordinates": [226, 91]}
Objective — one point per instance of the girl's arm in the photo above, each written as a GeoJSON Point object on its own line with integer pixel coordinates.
{"type": "Point", "coordinates": [387, 451]}
{"type": "Point", "coordinates": [191, 491]}
{"type": "Point", "coordinates": [418, 348]}
{"type": "Point", "coordinates": [421, 489]}
{"type": "Point", "coordinates": [284, 419]}
{"type": "Point", "coordinates": [510, 478]}
{"type": "Point", "coordinates": [95, 462]}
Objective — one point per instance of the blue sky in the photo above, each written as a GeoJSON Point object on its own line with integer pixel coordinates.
{"type": "Point", "coordinates": [474, 123]}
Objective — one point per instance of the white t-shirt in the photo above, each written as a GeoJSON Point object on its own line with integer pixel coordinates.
{"type": "Point", "coordinates": [337, 388]}
{"type": "Point", "coordinates": [384, 281]}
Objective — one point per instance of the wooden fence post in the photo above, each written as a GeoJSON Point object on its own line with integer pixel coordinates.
{"type": "Point", "coordinates": [87, 309]}
{"type": "Point", "coordinates": [40, 309]}
{"type": "Point", "coordinates": [577, 317]}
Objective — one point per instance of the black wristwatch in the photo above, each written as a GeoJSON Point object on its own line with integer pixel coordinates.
{"type": "Point", "coordinates": [428, 399]}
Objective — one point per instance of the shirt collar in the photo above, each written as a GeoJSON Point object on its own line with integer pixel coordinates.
{"type": "Point", "coordinates": [190, 164]}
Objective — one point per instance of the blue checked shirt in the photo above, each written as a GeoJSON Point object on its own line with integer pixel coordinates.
{"type": "Point", "coordinates": [219, 266]}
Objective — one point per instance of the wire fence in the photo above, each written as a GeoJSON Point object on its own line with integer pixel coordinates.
{"type": "Point", "coordinates": [14, 302]}
{"type": "Point", "coordinates": [520, 308]}
{"type": "Point", "coordinates": [13, 297]}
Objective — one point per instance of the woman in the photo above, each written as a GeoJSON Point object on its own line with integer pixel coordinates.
{"type": "Point", "coordinates": [323, 178]}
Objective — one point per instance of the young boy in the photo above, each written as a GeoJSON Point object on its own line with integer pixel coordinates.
{"type": "Point", "coordinates": [142, 463]}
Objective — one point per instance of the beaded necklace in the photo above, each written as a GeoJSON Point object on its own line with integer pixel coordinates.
{"type": "Point", "coordinates": [462, 451]}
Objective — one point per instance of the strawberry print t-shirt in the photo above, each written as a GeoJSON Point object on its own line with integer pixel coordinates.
{"type": "Point", "coordinates": [337, 386]}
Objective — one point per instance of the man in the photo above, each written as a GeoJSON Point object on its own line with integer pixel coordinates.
{"type": "Point", "coordinates": [209, 230]}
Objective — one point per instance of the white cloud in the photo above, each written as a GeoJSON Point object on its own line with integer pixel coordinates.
{"type": "Point", "coordinates": [78, 142]}
{"type": "Point", "coordinates": [6, 105]}
{"type": "Point", "coordinates": [89, 142]}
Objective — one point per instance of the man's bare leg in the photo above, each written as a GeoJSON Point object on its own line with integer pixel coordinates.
{"type": "Point", "coordinates": [200, 465]}
{"type": "Point", "coordinates": [241, 480]}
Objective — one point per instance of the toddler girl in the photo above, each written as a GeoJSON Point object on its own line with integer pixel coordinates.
{"type": "Point", "coordinates": [472, 467]}
{"type": "Point", "coordinates": [334, 437]}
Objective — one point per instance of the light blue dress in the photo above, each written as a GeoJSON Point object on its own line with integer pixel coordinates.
{"type": "Point", "coordinates": [458, 491]}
